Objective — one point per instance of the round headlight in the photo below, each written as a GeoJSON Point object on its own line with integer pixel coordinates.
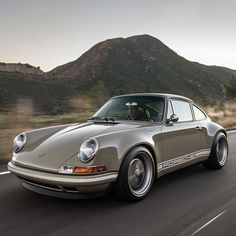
{"type": "Point", "coordinates": [88, 150]}
{"type": "Point", "coordinates": [19, 142]}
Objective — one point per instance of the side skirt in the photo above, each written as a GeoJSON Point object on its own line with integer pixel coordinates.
{"type": "Point", "coordinates": [182, 161]}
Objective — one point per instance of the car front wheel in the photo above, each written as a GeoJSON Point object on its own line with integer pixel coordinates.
{"type": "Point", "coordinates": [136, 175]}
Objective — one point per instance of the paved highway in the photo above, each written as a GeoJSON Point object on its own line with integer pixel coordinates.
{"type": "Point", "coordinates": [192, 201]}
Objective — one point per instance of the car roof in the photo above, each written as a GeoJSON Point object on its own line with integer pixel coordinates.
{"type": "Point", "coordinates": [166, 95]}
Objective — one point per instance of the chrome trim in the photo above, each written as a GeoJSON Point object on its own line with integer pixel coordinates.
{"type": "Point", "coordinates": [140, 175]}
{"type": "Point", "coordinates": [23, 142]}
{"type": "Point", "coordinates": [61, 179]}
{"type": "Point", "coordinates": [94, 152]}
{"type": "Point", "coordinates": [222, 151]}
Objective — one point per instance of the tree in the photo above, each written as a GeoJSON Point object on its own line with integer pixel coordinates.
{"type": "Point", "coordinates": [98, 93]}
{"type": "Point", "coordinates": [2, 95]}
{"type": "Point", "coordinates": [231, 88]}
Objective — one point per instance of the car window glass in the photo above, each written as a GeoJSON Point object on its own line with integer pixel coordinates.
{"type": "Point", "coordinates": [155, 109]}
{"type": "Point", "coordinates": [183, 110]}
{"type": "Point", "coordinates": [145, 108]}
{"type": "Point", "coordinates": [199, 115]}
{"type": "Point", "coordinates": [118, 110]}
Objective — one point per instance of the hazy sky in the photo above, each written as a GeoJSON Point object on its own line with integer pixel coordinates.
{"type": "Point", "coordinates": [48, 33]}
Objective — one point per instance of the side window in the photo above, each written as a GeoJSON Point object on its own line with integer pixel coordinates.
{"type": "Point", "coordinates": [199, 115]}
{"type": "Point", "coordinates": [170, 110]}
{"type": "Point", "coordinates": [183, 110]}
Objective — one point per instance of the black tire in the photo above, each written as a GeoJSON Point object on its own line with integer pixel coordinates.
{"type": "Point", "coordinates": [219, 152]}
{"type": "Point", "coordinates": [136, 175]}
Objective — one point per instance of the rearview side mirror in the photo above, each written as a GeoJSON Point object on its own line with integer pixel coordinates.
{"type": "Point", "coordinates": [174, 118]}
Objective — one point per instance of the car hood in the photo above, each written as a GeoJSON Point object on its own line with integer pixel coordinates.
{"type": "Point", "coordinates": [51, 153]}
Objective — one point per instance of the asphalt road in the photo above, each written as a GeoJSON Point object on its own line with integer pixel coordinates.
{"type": "Point", "coordinates": [192, 201]}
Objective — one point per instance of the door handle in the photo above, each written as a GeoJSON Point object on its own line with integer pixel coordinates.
{"type": "Point", "coordinates": [198, 128]}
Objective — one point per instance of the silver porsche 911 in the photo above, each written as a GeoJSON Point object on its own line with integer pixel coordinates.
{"type": "Point", "coordinates": [125, 146]}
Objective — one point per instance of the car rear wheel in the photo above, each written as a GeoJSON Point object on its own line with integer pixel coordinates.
{"type": "Point", "coordinates": [219, 152]}
{"type": "Point", "coordinates": [136, 175]}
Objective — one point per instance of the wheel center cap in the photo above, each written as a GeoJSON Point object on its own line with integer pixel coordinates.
{"type": "Point", "coordinates": [137, 172]}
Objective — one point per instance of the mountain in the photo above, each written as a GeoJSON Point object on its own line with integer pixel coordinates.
{"type": "Point", "coordinates": [26, 81]}
{"type": "Point", "coordinates": [20, 68]}
{"type": "Point", "coordinates": [144, 64]}
{"type": "Point", "coordinates": [116, 66]}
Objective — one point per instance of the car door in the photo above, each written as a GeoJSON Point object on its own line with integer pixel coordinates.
{"type": "Point", "coordinates": [181, 140]}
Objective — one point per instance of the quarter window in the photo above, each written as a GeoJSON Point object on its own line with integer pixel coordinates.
{"type": "Point", "coordinates": [199, 115]}
{"type": "Point", "coordinates": [183, 110]}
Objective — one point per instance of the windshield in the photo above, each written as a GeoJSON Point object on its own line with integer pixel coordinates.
{"type": "Point", "coordinates": [142, 108]}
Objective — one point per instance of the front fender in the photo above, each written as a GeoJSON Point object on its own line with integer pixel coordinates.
{"type": "Point", "coordinates": [113, 147]}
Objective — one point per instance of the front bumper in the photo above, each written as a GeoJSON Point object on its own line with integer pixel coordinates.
{"type": "Point", "coordinates": [62, 185]}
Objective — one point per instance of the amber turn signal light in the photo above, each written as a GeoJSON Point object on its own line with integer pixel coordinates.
{"type": "Point", "coordinates": [89, 169]}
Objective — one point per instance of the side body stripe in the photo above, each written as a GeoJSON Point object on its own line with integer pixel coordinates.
{"type": "Point", "coordinates": [183, 159]}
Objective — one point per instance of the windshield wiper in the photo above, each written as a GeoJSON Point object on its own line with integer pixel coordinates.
{"type": "Point", "coordinates": [96, 118]}
{"type": "Point", "coordinates": [107, 119]}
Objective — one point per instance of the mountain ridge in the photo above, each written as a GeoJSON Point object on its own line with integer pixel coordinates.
{"type": "Point", "coordinates": [20, 68]}
{"type": "Point", "coordinates": [116, 66]}
{"type": "Point", "coordinates": [144, 64]}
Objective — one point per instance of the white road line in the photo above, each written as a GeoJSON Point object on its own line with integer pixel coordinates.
{"type": "Point", "coordinates": [231, 131]}
{"type": "Point", "coordinates": [5, 173]}
{"type": "Point", "coordinates": [210, 221]}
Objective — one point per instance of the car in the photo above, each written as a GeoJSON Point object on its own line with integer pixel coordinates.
{"type": "Point", "coordinates": [124, 147]}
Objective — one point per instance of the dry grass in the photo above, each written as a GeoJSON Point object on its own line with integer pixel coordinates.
{"type": "Point", "coordinates": [11, 125]}
{"type": "Point", "coordinates": [225, 115]}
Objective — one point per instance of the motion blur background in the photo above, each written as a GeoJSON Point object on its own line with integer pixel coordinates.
{"type": "Point", "coordinates": [38, 36]}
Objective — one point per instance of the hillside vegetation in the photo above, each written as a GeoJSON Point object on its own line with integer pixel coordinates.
{"type": "Point", "coordinates": [31, 98]}
{"type": "Point", "coordinates": [116, 66]}
{"type": "Point", "coordinates": [144, 64]}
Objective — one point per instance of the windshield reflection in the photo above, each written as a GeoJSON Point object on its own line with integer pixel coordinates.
{"type": "Point", "coordinates": [137, 108]}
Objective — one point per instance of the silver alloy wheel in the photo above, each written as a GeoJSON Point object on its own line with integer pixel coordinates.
{"type": "Point", "coordinates": [222, 151]}
{"type": "Point", "coordinates": [140, 174]}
